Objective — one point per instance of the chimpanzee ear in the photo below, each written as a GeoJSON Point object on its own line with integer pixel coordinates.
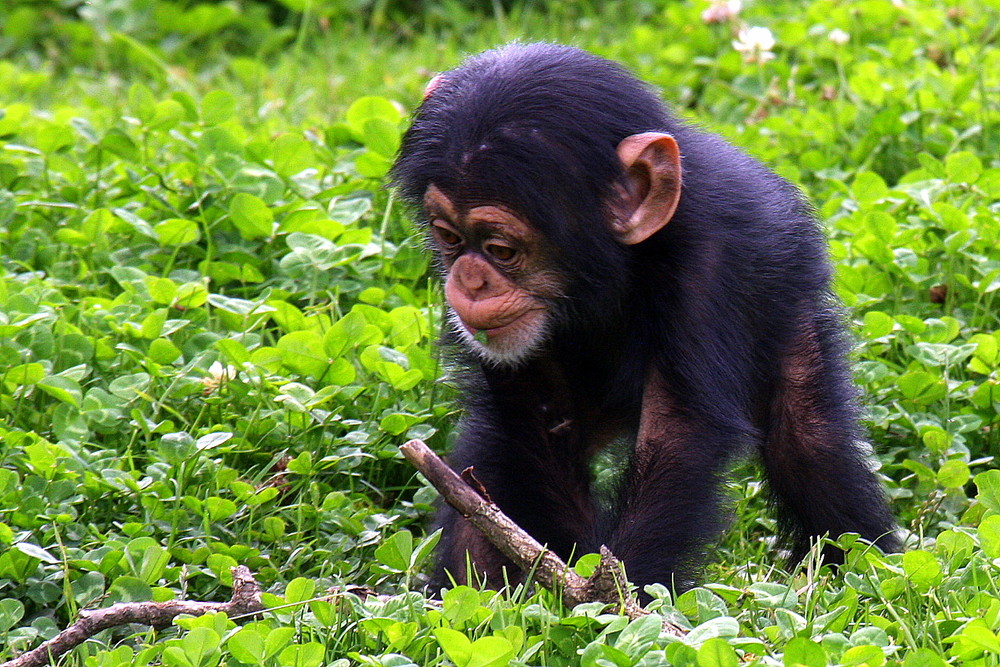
{"type": "Point", "coordinates": [652, 163]}
{"type": "Point", "coordinates": [433, 84]}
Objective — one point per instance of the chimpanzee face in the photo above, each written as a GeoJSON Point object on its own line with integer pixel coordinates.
{"type": "Point", "coordinates": [498, 277]}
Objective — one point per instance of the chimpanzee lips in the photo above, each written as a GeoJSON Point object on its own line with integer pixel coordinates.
{"type": "Point", "coordinates": [498, 329]}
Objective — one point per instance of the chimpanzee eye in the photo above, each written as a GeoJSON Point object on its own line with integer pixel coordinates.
{"type": "Point", "coordinates": [447, 236]}
{"type": "Point", "coordinates": [503, 253]}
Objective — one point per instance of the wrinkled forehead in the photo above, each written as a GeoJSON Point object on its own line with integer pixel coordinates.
{"type": "Point", "coordinates": [482, 215]}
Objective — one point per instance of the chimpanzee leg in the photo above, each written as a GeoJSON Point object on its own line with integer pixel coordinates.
{"type": "Point", "coordinates": [669, 500]}
{"type": "Point", "coordinates": [537, 474]}
{"type": "Point", "coordinates": [817, 463]}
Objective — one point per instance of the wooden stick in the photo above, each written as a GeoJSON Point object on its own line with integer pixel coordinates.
{"type": "Point", "coordinates": [245, 601]}
{"type": "Point", "coordinates": [607, 584]}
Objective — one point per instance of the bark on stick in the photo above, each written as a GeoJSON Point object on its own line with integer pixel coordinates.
{"type": "Point", "coordinates": [245, 601]}
{"type": "Point", "coordinates": [607, 584]}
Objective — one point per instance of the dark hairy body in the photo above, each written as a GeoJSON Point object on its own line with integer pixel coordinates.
{"type": "Point", "coordinates": [635, 278]}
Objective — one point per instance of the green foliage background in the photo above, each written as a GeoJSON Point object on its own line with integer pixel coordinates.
{"type": "Point", "coordinates": [216, 325]}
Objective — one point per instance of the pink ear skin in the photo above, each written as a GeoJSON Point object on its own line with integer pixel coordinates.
{"type": "Point", "coordinates": [652, 163]}
{"type": "Point", "coordinates": [433, 84]}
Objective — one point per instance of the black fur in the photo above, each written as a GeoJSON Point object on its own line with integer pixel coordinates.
{"type": "Point", "coordinates": [730, 303]}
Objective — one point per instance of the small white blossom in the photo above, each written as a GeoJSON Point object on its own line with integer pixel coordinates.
{"type": "Point", "coordinates": [838, 36]}
{"type": "Point", "coordinates": [720, 11]}
{"type": "Point", "coordinates": [755, 43]}
{"type": "Point", "coordinates": [217, 376]}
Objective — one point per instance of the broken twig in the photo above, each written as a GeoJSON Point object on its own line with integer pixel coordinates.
{"type": "Point", "coordinates": [607, 584]}
{"type": "Point", "coordinates": [245, 601]}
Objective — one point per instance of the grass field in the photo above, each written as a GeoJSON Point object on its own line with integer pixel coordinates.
{"type": "Point", "coordinates": [217, 327]}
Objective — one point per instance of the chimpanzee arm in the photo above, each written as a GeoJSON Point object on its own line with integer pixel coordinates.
{"type": "Point", "coordinates": [818, 464]}
{"type": "Point", "coordinates": [528, 456]}
{"type": "Point", "coordinates": [669, 508]}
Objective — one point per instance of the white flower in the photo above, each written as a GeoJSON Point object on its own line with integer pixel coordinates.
{"type": "Point", "coordinates": [720, 11]}
{"type": "Point", "coordinates": [755, 43]}
{"type": "Point", "coordinates": [838, 36]}
{"type": "Point", "coordinates": [217, 376]}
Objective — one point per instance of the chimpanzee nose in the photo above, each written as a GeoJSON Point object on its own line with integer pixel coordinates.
{"type": "Point", "coordinates": [473, 276]}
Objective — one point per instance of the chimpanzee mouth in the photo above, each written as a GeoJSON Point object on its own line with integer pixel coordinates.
{"type": "Point", "coordinates": [527, 318]}
{"type": "Point", "coordinates": [508, 344]}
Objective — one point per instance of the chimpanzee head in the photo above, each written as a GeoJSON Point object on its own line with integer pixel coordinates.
{"type": "Point", "coordinates": [537, 168]}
